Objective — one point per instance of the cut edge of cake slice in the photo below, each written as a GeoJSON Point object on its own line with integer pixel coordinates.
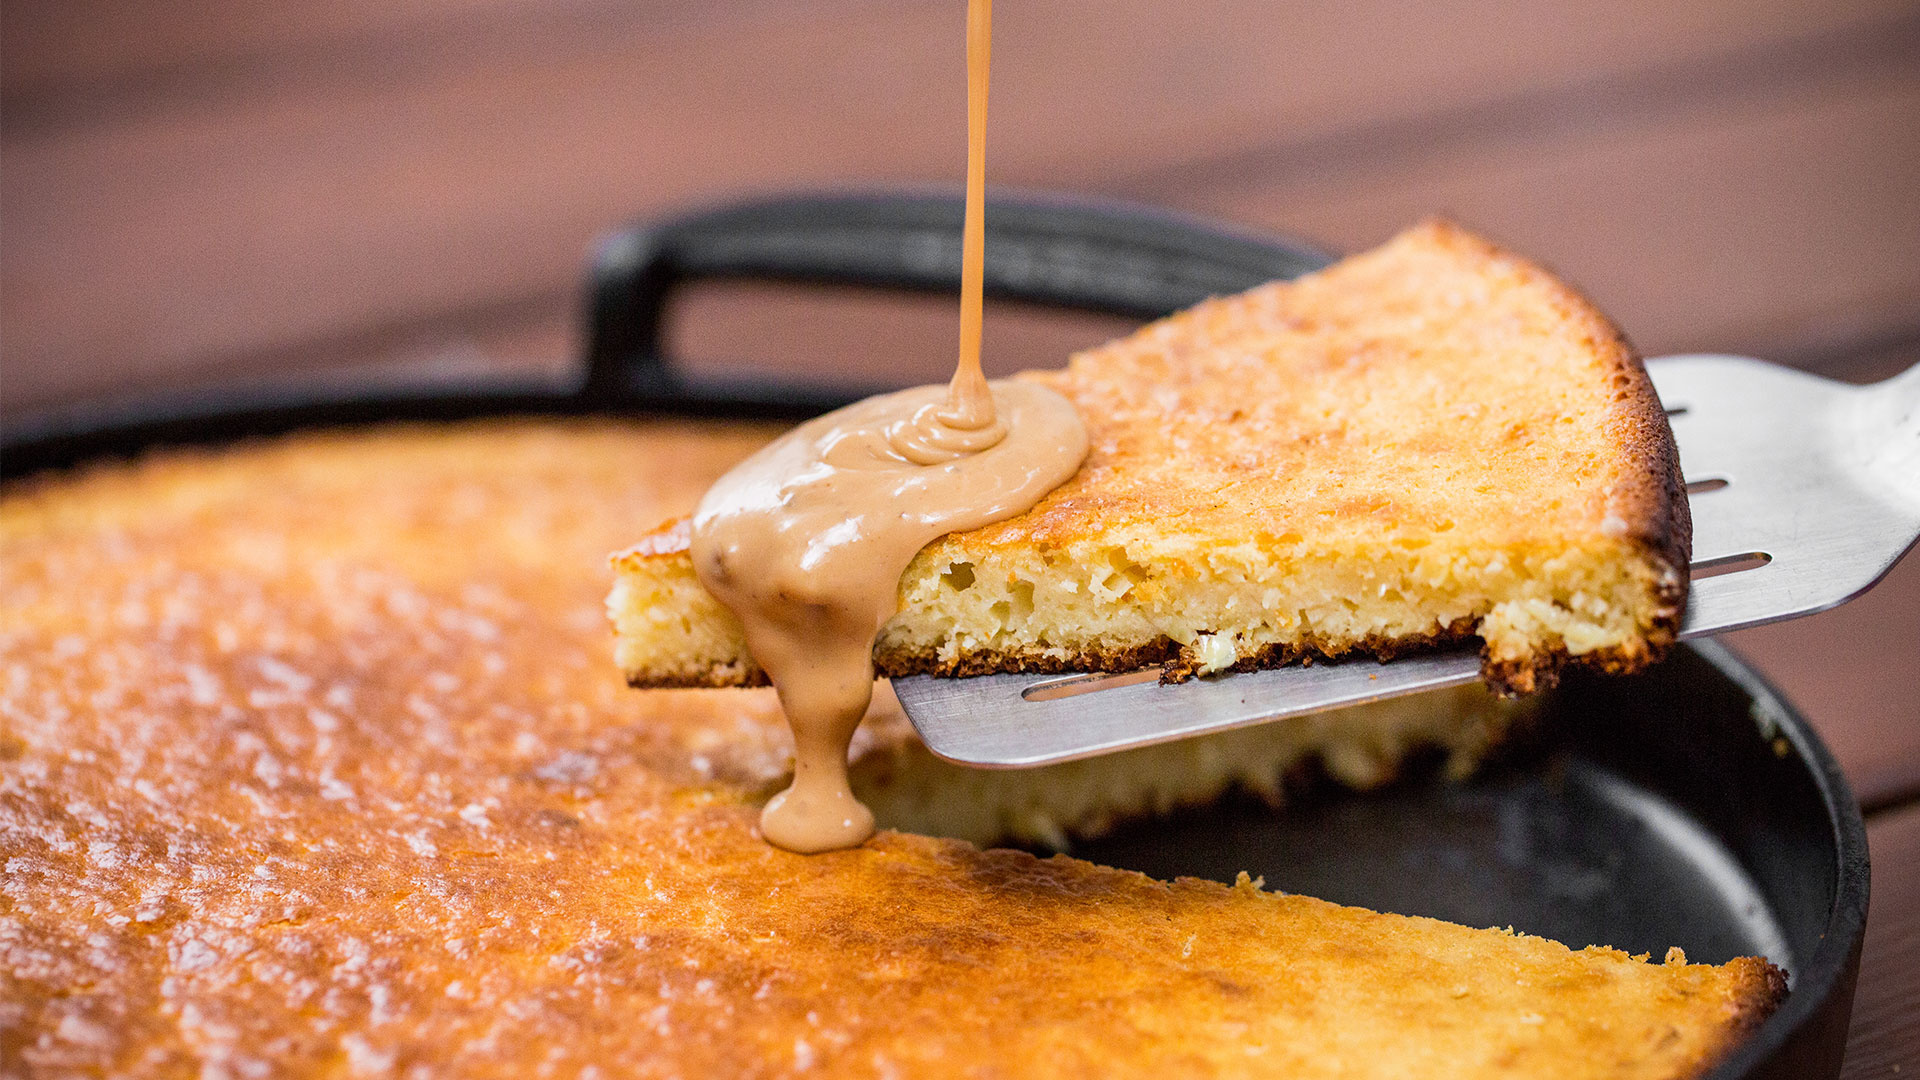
{"type": "Point", "coordinates": [1454, 731]}
{"type": "Point", "coordinates": [1173, 545]}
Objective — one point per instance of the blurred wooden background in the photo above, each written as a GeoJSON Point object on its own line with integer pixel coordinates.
{"type": "Point", "coordinates": [218, 189]}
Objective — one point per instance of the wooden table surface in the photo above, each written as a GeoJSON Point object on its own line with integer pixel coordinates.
{"type": "Point", "coordinates": [229, 188]}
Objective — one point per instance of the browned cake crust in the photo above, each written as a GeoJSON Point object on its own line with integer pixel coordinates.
{"type": "Point", "coordinates": [1176, 665]}
{"type": "Point", "coordinates": [1535, 433]}
{"type": "Point", "coordinates": [311, 764]}
{"type": "Point", "coordinates": [1652, 498]}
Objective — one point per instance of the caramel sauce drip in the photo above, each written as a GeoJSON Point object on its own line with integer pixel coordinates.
{"type": "Point", "coordinates": [969, 405]}
{"type": "Point", "coordinates": [966, 422]}
{"type": "Point", "coordinates": [806, 540]}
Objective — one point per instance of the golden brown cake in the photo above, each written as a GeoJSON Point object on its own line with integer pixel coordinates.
{"type": "Point", "coordinates": [1433, 441]}
{"type": "Point", "coordinates": [312, 763]}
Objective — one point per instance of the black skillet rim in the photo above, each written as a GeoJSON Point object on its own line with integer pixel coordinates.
{"type": "Point", "coordinates": [1822, 991]}
{"type": "Point", "coordinates": [1048, 250]}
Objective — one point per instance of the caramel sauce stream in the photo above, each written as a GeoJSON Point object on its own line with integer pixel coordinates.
{"type": "Point", "coordinates": [806, 540]}
{"type": "Point", "coordinates": [969, 405]}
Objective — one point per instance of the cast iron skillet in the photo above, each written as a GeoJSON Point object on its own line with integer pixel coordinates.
{"type": "Point", "coordinates": [1687, 806]}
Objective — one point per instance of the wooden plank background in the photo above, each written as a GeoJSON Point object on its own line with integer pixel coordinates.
{"type": "Point", "coordinates": [194, 192]}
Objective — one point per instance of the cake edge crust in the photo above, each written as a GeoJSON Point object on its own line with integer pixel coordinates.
{"type": "Point", "coordinates": [1761, 991]}
{"type": "Point", "coordinates": [1539, 671]}
{"type": "Point", "coordinates": [1653, 504]}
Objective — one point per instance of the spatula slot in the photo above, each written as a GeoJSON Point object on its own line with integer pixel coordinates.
{"type": "Point", "coordinates": [1091, 682]}
{"type": "Point", "coordinates": [1711, 483]}
{"type": "Point", "coordinates": [1728, 564]}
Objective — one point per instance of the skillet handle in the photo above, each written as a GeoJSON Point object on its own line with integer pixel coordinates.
{"type": "Point", "coordinates": [1102, 257]}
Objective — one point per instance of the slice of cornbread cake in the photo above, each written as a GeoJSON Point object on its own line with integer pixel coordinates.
{"type": "Point", "coordinates": [1434, 441]}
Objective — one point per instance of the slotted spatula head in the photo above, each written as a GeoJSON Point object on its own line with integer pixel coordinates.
{"type": "Point", "coordinates": [1804, 493]}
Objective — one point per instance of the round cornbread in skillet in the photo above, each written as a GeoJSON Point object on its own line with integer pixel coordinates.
{"type": "Point", "coordinates": [312, 763]}
{"type": "Point", "coordinates": [1430, 442]}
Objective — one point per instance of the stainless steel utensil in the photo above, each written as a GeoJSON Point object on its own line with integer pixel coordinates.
{"type": "Point", "coordinates": [1804, 491]}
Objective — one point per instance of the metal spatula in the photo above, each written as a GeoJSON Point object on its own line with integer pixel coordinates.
{"type": "Point", "coordinates": [1805, 492]}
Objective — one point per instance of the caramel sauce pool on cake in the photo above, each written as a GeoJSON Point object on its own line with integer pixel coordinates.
{"type": "Point", "coordinates": [806, 540]}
